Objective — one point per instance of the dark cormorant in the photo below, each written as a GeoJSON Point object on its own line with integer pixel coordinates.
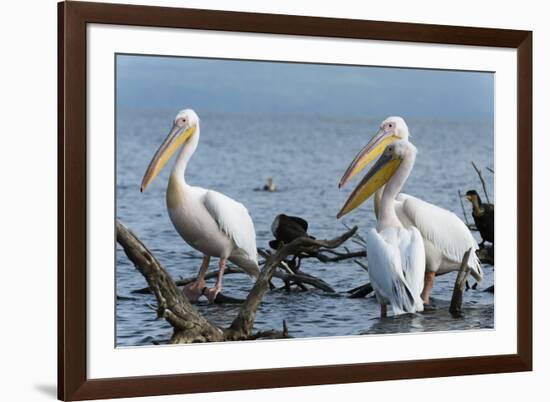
{"type": "Point", "coordinates": [287, 228]}
{"type": "Point", "coordinates": [484, 217]}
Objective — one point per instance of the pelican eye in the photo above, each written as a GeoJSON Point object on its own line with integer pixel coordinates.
{"type": "Point", "coordinates": [181, 122]}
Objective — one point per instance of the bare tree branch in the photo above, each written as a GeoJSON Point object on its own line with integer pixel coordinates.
{"type": "Point", "coordinates": [298, 277]}
{"type": "Point", "coordinates": [482, 181]}
{"type": "Point", "coordinates": [242, 325]}
{"type": "Point", "coordinates": [189, 325]}
{"type": "Point", "coordinates": [361, 291]}
{"type": "Point", "coordinates": [185, 281]}
{"type": "Point", "coordinates": [456, 302]}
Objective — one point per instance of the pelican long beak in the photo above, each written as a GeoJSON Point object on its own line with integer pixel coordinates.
{"type": "Point", "coordinates": [175, 138]}
{"type": "Point", "coordinates": [370, 152]}
{"type": "Point", "coordinates": [376, 177]}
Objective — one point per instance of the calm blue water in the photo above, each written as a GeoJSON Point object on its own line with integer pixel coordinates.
{"type": "Point", "coordinates": [306, 155]}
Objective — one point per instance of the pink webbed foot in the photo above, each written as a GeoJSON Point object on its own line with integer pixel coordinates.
{"type": "Point", "coordinates": [194, 290]}
{"type": "Point", "coordinates": [212, 293]}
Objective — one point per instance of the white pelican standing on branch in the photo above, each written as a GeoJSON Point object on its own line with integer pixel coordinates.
{"type": "Point", "coordinates": [208, 221]}
{"type": "Point", "coordinates": [446, 237]}
{"type": "Point", "coordinates": [395, 254]}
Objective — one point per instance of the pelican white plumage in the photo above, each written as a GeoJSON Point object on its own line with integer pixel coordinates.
{"type": "Point", "coordinates": [446, 237]}
{"type": "Point", "coordinates": [395, 254]}
{"type": "Point", "coordinates": [208, 221]}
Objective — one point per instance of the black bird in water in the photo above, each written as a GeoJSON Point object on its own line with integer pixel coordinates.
{"type": "Point", "coordinates": [287, 228]}
{"type": "Point", "coordinates": [484, 217]}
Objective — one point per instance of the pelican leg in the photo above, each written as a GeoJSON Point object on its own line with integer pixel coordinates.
{"type": "Point", "coordinates": [194, 290]}
{"type": "Point", "coordinates": [429, 277]}
{"type": "Point", "coordinates": [213, 292]}
{"type": "Point", "coordinates": [383, 310]}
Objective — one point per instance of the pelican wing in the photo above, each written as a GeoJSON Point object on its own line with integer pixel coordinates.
{"type": "Point", "coordinates": [441, 227]}
{"type": "Point", "coordinates": [233, 219]}
{"type": "Point", "coordinates": [413, 257]}
{"type": "Point", "coordinates": [386, 272]}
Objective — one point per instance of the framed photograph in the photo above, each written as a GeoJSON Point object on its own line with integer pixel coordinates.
{"type": "Point", "coordinates": [216, 228]}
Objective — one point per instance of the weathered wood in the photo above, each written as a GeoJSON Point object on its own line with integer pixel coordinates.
{"type": "Point", "coordinates": [338, 256]}
{"type": "Point", "coordinates": [456, 301]}
{"type": "Point", "coordinates": [299, 277]}
{"type": "Point", "coordinates": [241, 327]}
{"type": "Point", "coordinates": [272, 334]}
{"type": "Point", "coordinates": [361, 291]}
{"type": "Point", "coordinates": [303, 278]}
{"type": "Point", "coordinates": [490, 289]}
{"type": "Point", "coordinates": [189, 325]}
{"type": "Point", "coordinates": [362, 265]}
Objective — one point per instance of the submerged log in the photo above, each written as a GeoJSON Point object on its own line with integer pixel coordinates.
{"type": "Point", "coordinates": [361, 291]}
{"type": "Point", "coordinates": [490, 289]}
{"type": "Point", "coordinates": [188, 324]}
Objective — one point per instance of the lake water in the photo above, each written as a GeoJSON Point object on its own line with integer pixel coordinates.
{"type": "Point", "coordinates": [306, 155]}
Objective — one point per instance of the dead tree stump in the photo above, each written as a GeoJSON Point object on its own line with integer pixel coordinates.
{"type": "Point", "coordinates": [456, 302]}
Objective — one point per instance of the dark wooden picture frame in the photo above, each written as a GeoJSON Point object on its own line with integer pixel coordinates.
{"type": "Point", "coordinates": [73, 383]}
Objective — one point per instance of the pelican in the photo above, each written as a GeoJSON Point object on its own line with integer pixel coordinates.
{"type": "Point", "coordinates": [395, 254]}
{"type": "Point", "coordinates": [446, 237]}
{"type": "Point", "coordinates": [208, 221]}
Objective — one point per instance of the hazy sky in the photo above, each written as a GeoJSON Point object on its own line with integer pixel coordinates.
{"type": "Point", "coordinates": [210, 85]}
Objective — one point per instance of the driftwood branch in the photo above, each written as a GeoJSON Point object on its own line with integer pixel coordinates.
{"type": "Point", "coordinates": [272, 334]}
{"type": "Point", "coordinates": [298, 277]}
{"type": "Point", "coordinates": [321, 255]}
{"type": "Point", "coordinates": [188, 324]}
{"type": "Point", "coordinates": [456, 302]}
{"type": "Point", "coordinates": [482, 181]}
{"type": "Point", "coordinates": [306, 279]}
{"type": "Point", "coordinates": [362, 265]}
{"type": "Point", "coordinates": [361, 291]}
{"type": "Point", "coordinates": [242, 325]}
